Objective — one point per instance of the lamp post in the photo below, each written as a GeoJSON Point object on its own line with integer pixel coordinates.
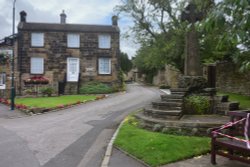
{"type": "Point", "coordinates": [12, 104]}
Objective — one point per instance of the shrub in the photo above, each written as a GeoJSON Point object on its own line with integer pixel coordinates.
{"type": "Point", "coordinates": [196, 105]}
{"type": "Point", "coordinates": [47, 91]}
{"type": "Point", "coordinates": [163, 86]}
{"type": "Point", "coordinates": [95, 88]}
{"type": "Point", "coordinates": [122, 85]}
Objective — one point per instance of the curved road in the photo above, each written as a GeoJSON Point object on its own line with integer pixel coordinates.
{"type": "Point", "coordinates": [75, 137]}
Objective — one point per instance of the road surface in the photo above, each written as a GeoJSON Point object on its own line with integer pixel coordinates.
{"type": "Point", "coordinates": [74, 137]}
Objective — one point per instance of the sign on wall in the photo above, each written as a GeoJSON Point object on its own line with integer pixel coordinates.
{"type": "Point", "coordinates": [2, 81]}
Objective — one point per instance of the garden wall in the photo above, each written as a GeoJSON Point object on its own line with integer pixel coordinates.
{"type": "Point", "coordinates": [169, 76]}
{"type": "Point", "coordinates": [229, 79]}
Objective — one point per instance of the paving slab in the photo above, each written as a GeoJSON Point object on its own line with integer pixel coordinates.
{"type": "Point", "coordinates": [119, 159]}
{"type": "Point", "coordinates": [204, 161]}
{"type": "Point", "coordinates": [5, 112]}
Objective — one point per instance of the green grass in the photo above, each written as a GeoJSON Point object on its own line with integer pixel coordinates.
{"type": "Point", "coordinates": [157, 149]}
{"type": "Point", "coordinates": [50, 102]}
{"type": "Point", "coordinates": [244, 100]}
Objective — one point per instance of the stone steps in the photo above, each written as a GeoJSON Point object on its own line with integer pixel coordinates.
{"type": "Point", "coordinates": [165, 105]}
{"type": "Point", "coordinates": [169, 108]}
{"type": "Point", "coordinates": [172, 96]}
{"type": "Point", "coordinates": [173, 100]}
{"type": "Point", "coordinates": [224, 107]}
{"type": "Point", "coordinates": [178, 93]}
{"type": "Point", "coordinates": [71, 88]}
{"type": "Point", "coordinates": [162, 114]}
{"type": "Point", "coordinates": [191, 127]}
{"type": "Point", "coordinates": [178, 89]}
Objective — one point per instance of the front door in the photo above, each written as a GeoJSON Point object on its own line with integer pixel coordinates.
{"type": "Point", "coordinates": [72, 69]}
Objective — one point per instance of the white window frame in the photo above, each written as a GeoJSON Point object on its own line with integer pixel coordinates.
{"type": "Point", "coordinates": [36, 65]}
{"type": "Point", "coordinates": [104, 70]}
{"type": "Point", "coordinates": [104, 41]}
{"type": "Point", "coordinates": [37, 39]}
{"type": "Point", "coordinates": [73, 40]}
{"type": "Point", "coordinates": [73, 76]}
{"type": "Point", "coordinates": [2, 80]}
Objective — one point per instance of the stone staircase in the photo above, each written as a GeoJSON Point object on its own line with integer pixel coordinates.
{"type": "Point", "coordinates": [224, 105]}
{"type": "Point", "coordinates": [170, 106]}
{"type": "Point", "coordinates": [166, 115]}
{"type": "Point", "coordinates": [71, 88]}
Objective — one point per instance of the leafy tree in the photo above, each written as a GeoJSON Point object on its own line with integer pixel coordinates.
{"type": "Point", "coordinates": [233, 16]}
{"type": "Point", "coordinates": [126, 63]}
{"type": "Point", "coordinates": [224, 31]}
{"type": "Point", "coordinates": [159, 31]}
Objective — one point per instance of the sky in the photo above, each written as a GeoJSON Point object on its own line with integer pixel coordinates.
{"type": "Point", "coordinates": [77, 11]}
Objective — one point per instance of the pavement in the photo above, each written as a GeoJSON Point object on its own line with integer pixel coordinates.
{"type": "Point", "coordinates": [6, 113]}
{"type": "Point", "coordinates": [120, 159]}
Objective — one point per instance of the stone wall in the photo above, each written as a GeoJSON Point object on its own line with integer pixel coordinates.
{"type": "Point", "coordinates": [168, 76]}
{"type": "Point", "coordinates": [229, 79]}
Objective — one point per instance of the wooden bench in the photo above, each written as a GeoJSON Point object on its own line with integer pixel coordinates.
{"type": "Point", "coordinates": [228, 147]}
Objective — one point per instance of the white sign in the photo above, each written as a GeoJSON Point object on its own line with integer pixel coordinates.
{"type": "Point", "coordinates": [3, 86]}
{"type": "Point", "coordinates": [91, 69]}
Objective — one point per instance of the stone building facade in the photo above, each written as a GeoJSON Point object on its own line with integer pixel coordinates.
{"type": "Point", "coordinates": [68, 55]}
{"type": "Point", "coordinates": [5, 69]}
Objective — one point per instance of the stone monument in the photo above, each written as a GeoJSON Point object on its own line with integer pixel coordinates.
{"type": "Point", "coordinates": [192, 78]}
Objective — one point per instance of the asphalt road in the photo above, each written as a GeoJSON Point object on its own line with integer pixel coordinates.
{"type": "Point", "coordinates": [75, 137]}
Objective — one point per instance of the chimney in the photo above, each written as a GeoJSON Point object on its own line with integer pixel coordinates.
{"type": "Point", "coordinates": [63, 17]}
{"type": "Point", "coordinates": [23, 15]}
{"type": "Point", "coordinates": [114, 20]}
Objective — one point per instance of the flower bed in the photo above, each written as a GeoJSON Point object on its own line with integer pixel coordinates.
{"type": "Point", "coordinates": [36, 110]}
{"type": "Point", "coordinates": [36, 80]}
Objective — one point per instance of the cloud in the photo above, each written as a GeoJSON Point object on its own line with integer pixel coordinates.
{"type": "Point", "coordinates": [78, 12]}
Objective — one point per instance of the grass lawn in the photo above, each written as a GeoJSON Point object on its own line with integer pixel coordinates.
{"type": "Point", "coordinates": [157, 149]}
{"type": "Point", "coordinates": [50, 102]}
{"type": "Point", "coordinates": [244, 100]}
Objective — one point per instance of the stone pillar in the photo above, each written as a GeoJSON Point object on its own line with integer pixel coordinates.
{"type": "Point", "coordinates": [211, 75]}
{"type": "Point", "coordinates": [192, 79]}
{"type": "Point", "coordinates": [192, 58]}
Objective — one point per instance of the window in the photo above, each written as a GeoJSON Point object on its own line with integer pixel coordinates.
{"type": "Point", "coordinates": [37, 39]}
{"type": "Point", "coordinates": [36, 64]}
{"type": "Point", "coordinates": [73, 40]}
{"type": "Point", "coordinates": [104, 41]}
{"type": "Point", "coordinates": [2, 80]}
{"type": "Point", "coordinates": [72, 69]}
{"type": "Point", "coordinates": [104, 66]}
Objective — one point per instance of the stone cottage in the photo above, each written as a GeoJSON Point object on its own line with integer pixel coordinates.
{"type": "Point", "coordinates": [6, 52]}
{"type": "Point", "coordinates": [66, 55]}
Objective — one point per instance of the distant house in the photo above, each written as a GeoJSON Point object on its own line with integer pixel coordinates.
{"type": "Point", "coordinates": [67, 55]}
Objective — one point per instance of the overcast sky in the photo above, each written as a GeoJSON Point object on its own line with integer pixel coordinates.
{"type": "Point", "coordinates": [77, 11]}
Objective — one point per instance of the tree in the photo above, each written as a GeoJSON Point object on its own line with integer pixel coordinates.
{"type": "Point", "coordinates": [233, 16]}
{"type": "Point", "coordinates": [151, 17]}
{"type": "Point", "coordinates": [158, 29]}
{"type": "Point", "coordinates": [126, 63]}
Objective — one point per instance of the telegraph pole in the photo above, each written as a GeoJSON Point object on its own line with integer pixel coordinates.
{"type": "Point", "coordinates": [12, 104]}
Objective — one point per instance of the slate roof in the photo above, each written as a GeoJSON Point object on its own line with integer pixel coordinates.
{"type": "Point", "coordinates": [66, 27]}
